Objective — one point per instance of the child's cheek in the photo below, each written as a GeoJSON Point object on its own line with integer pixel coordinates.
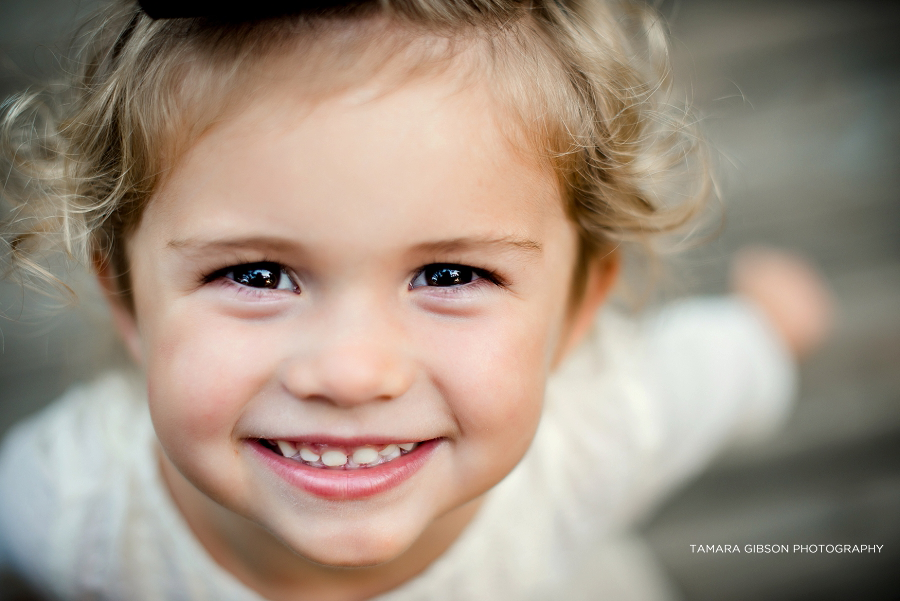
{"type": "Point", "coordinates": [494, 380]}
{"type": "Point", "coordinates": [202, 371]}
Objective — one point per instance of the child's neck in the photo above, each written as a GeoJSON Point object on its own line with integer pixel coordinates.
{"type": "Point", "coordinates": [262, 563]}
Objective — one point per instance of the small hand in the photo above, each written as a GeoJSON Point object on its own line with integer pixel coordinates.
{"type": "Point", "coordinates": [790, 291]}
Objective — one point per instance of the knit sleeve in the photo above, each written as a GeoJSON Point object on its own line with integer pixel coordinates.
{"type": "Point", "coordinates": [716, 373]}
{"type": "Point", "coordinates": [60, 504]}
{"type": "Point", "coordinates": [29, 501]}
{"type": "Point", "coordinates": [644, 405]}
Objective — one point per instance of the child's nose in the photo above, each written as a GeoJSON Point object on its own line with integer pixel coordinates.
{"type": "Point", "coordinates": [367, 365]}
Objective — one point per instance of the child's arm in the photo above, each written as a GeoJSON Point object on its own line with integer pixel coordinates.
{"type": "Point", "coordinates": [63, 488]}
{"type": "Point", "coordinates": [722, 371]}
{"type": "Point", "coordinates": [641, 408]}
{"type": "Point", "coordinates": [29, 501]}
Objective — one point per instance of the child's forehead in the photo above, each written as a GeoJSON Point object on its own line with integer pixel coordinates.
{"type": "Point", "coordinates": [365, 147]}
{"type": "Point", "coordinates": [352, 62]}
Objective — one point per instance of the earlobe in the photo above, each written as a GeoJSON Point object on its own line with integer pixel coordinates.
{"type": "Point", "coordinates": [122, 315]}
{"type": "Point", "coordinates": [602, 274]}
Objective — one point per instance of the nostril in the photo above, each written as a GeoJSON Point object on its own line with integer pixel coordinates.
{"type": "Point", "coordinates": [313, 398]}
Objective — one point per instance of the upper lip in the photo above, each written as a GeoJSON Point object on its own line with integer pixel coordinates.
{"type": "Point", "coordinates": [337, 441]}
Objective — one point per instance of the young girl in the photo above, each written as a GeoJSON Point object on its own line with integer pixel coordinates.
{"type": "Point", "coordinates": [347, 244]}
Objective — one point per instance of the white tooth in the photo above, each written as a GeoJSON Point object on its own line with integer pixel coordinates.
{"type": "Point", "coordinates": [393, 455]}
{"type": "Point", "coordinates": [308, 455]}
{"type": "Point", "coordinates": [287, 449]}
{"type": "Point", "coordinates": [333, 458]}
{"type": "Point", "coordinates": [388, 450]}
{"type": "Point", "coordinates": [365, 455]}
{"type": "Point", "coordinates": [408, 446]}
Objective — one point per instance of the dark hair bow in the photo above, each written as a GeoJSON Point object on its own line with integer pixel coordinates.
{"type": "Point", "coordinates": [235, 10]}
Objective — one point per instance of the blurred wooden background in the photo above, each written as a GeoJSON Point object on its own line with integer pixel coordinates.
{"type": "Point", "coordinates": [800, 99]}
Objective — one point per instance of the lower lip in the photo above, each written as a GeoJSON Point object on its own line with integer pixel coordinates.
{"type": "Point", "coordinates": [347, 484]}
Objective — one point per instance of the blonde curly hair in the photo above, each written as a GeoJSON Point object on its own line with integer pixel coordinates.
{"type": "Point", "coordinates": [588, 83]}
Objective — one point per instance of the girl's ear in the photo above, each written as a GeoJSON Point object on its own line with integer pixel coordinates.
{"type": "Point", "coordinates": [601, 276]}
{"type": "Point", "coordinates": [122, 314]}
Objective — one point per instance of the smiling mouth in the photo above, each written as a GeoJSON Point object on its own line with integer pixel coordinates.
{"type": "Point", "coordinates": [333, 457]}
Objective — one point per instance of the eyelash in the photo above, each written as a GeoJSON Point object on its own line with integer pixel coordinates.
{"type": "Point", "coordinates": [475, 276]}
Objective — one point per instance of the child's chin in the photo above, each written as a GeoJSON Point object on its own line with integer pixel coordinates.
{"type": "Point", "coordinates": [355, 554]}
{"type": "Point", "coordinates": [354, 561]}
{"type": "Point", "coordinates": [356, 544]}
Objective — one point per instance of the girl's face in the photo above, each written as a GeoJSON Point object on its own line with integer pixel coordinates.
{"type": "Point", "coordinates": [345, 276]}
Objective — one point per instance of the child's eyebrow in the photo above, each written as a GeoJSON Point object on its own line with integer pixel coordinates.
{"type": "Point", "coordinates": [202, 244]}
{"type": "Point", "coordinates": [440, 246]}
{"type": "Point", "coordinates": [461, 244]}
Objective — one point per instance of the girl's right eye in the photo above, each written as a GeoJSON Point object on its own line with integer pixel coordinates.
{"type": "Point", "coordinates": [451, 275]}
{"type": "Point", "coordinates": [265, 275]}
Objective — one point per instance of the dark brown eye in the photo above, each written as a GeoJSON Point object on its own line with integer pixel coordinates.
{"type": "Point", "coordinates": [448, 275]}
{"type": "Point", "coordinates": [264, 275]}
{"type": "Point", "coordinates": [257, 275]}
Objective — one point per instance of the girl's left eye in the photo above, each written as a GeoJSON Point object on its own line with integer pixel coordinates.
{"type": "Point", "coordinates": [264, 275]}
{"type": "Point", "coordinates": [445, 275]}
